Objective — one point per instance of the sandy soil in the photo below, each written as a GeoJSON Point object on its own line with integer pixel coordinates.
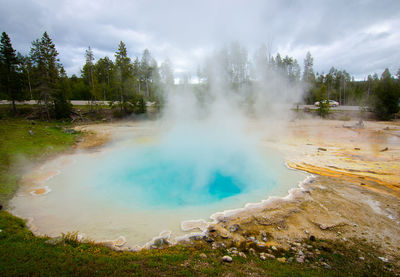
{"type": "Point", "coordinates": [355, 194]}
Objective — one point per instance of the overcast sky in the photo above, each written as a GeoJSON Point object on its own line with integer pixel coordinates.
{"type": "Point", "coordinates": [361, 37]}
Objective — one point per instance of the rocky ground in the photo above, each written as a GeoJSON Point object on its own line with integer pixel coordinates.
{"type": "Point", "coordinates": [352, 199]}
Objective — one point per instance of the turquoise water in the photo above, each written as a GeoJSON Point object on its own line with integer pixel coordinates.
{"type": "Point", "coordinates": [149, 176]}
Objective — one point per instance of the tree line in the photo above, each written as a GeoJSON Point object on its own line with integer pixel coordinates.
{"type": "Point", "coordinates": [380, 93]}
{"type": "Point", "coordinates": [128, 83]}
{"type": "Point", "coordinates": [41, 76]}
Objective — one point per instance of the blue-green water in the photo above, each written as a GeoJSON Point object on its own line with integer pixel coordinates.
{"type": "Point", "coordinates": [154, 176]}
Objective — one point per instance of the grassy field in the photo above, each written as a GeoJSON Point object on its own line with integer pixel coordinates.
{"type": "Point", "coordinates": [24, 141]}
{"type": "Point", "coordinates": [21, 253]}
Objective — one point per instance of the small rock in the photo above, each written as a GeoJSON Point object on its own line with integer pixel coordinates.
{"type": "Point", "coordinates": [317, 252]}
{"type": "Point", "coordinates": [203, 256]}
{"type": "Point", "coordinates": [211, 229]}
{"type": "Point", "coordinates": [290, 259]}
{"type": "Point", "coordinates": [241, 254]}
{"type": "Point", "coordinates": [227, 259]}
{"type": "Point", "coordinates": [69, 131]}
{"type": "Point", "coordinates": [261, 244]}
{"type": "Point", "coordinates": [234, 228]}
{"type": "Point", "coordinates": [196, 237]}
{"type": "Point", "coordinates": [361, 258]}
{"type": "Point", "coordinates": [383, 259]}
{"type": "Point", "coordinates": [54, 241]}
{"type": "Point", "coordinates": [31, 132]}
{"type": "Point", "coordinates": [265, 239]}
{"type": "Point", "coordinates": [224, 234]}
{"type": "Point", "coordinates": [356, 148]}
{"type": "Point", "coordinates": [208, 239]}
{"type": "Point", "coordinates": [252, 251]}
{"type": "Point", "coordinates": [160, 242]}
{"type": "Point", "coordinates": [1, 230]}
{"type": "Point", "coordinates": [307, 232]}
{"type": "Point", "coordinates": [327, 266]}
{"type": "Point", "coordinates": [384, 149]}
{"type": "Point", "coordinates": [282, 260]}
{"type": "Point", "coordinates": [235, 252]}
{"type": "Point", "coordinates": [274, 248]}
{"type": "Point", "coordinates": [269, 256]}
{"type": "Point", "coordinates": [321, 149]}
{"type": "Point", "coordinates": [300, 259]}
{"type": "Point", "coordinates": [309, 246]}
{"type": "Point", "coordinates": [262, 256]}
{"type": "Point", "coordinates": [323, 227]}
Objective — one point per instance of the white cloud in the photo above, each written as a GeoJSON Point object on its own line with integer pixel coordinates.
{"type": "Point", "coordinates": [359, 36]}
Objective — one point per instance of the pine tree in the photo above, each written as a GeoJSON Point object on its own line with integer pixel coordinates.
{"type": "Point", "coordinates": [104, 72]}
{"type": "Point", "coordinates": [62, 106]}
{"type": "Point", "coordinates": [387, 96]}
{"type": "Point", "coordinates": [167, 75]}
{"type": "Point", "coordinates": [44, 57]}
{"type": "Point", "coordinates": [309, 77]}
{"type": "Point", "coordinates": [123, 70]}
{"type": "Point", "coordinates": [26, 68]}
{"type": "Point", "coordinates": [88, 69]}
{"type": "Point", "coordinates": [146, 69]}
{"type": "Point", "coordinates": [9, 71]}
{"type": "Point", "coordinates": [308, 73]}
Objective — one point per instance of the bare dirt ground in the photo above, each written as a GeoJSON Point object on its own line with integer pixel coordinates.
{"type": "Point", "coordinates": [354, 195]}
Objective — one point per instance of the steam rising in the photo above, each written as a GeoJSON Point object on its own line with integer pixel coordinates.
{"type": "Point", "coordinates": [234, 91]}
{"type": "Point", "coordinates": [204, 155]}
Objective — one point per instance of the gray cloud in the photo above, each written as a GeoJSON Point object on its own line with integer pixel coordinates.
{"type": "Point", "coordinates": [359, 36]}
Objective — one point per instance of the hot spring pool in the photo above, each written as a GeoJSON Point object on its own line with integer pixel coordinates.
{"type": "Point", "coordinates": [146, 182]}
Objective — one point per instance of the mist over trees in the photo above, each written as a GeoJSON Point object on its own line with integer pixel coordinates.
{"type": "Point", "coordinates": [129, 82]}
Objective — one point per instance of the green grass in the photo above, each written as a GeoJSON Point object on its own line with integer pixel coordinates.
{"type": "Point", "coordinates": [21, 253]}
{"type": "Point", "coordinates": [18, 147]}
